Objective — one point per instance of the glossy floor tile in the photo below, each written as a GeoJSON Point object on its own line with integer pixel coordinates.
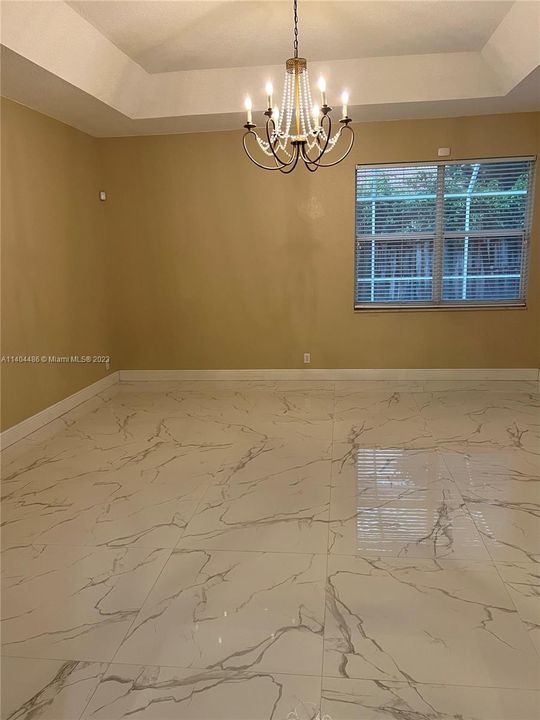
{"type": "Point", "coordinates": [276, 502]}
{"type": "Point", "coordinates": [164, 693]}
{"type": "Point", "coordinates": [69, 602]}
{"type": "Point", "coordinates": [233, 610]}
{"type": "Point", "coordinates": [522, 581]}
{"type": "Point", "coordinates": [482, 419]}
{"type": "Point", "coordinates": [502, 495]}
{"type": "Point", "coordinates": [424, 621]}
{"type": "Point", "coordinates": [276, 550]}
{"type": "Point", "coordinates": [400, 503]}
{"type": "Point", "coordinates": [379, 419]}
{"type": "Point", "coordinates": [48, 689]}
{"type": "Point", "coordinates": [375, 700]}
{"type": "Point", "coordinates": [132, 506]}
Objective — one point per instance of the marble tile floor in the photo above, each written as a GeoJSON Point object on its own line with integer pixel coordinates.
{"type": "Point", "coordinates": [276, 551]}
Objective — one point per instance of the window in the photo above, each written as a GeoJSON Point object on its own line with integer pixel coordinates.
{"type": "Point", "coordinates": [443, 234]}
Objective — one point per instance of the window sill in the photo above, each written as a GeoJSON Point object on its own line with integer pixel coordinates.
{"type": "Point", "coordinates": [430, 308]}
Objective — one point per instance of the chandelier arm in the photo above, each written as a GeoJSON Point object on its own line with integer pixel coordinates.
{"type": "Point", "coordinates": [250, 156]}
{"type": "Point", "coordinates": [272, 144]}
{"type": "Point", "coordinates": [304, 155]}
{"type": "Point", "coordinates": [351, 143]}
{"type": "Point", "coordinates": [328, 131]}
{"type": "Point", "coordinates": [307, 162]}
{"type": "Point", "coordinates": [295, 156]}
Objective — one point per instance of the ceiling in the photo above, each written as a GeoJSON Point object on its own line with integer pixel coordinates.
{"type": "Point", "coordinates": [170, 36]}
{"type": "Point", "coordinates": [128, 68]}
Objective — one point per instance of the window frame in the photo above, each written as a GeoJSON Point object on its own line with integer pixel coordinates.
{"type": "Point", "coordinates": [439, 236]}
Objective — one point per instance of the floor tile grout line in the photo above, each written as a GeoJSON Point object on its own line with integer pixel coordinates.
{"type": "Point", "coordinates": [482, 536]}
{"type": "Point", "coordinates": [105, 671]}
{"type": "Point", "coordinates": [493, 561]}
{"type": "Point", "coordinates": [111, 661]}
{"type": "Point", "coordinates": [197, 506]}
{"type": "Point", "coordinates": [234, 671]}
{"type": "Point", "coordinates": [195, 669]}
{"type": "Point", "coordinates": [322, 553]}
{"type": "Point", "coordinates": [328, 542]}
{"type": "Point", "coordinates": [141, 606]}
{"type": "Point", "coordinates": [470, 515]}
{"type": "Point", "coordinates": [210, 485]}
{"type": "Point", "coordinates": [405, 683]}
{"type": "Point", "coordinates": [458, 489]}
{"type": "Point", "coordinates": [409, 559]}
{"type": "Point", "coordinates": [509, 594]}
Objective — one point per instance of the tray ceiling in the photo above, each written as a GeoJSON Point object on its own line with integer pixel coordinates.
{"type": "Point", "coordinates": [128, 68]}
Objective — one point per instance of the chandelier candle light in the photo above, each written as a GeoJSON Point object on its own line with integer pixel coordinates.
{"type": "Point", "coordinates": [301, 130]}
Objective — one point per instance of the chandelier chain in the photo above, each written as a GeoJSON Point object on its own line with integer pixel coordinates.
{"type": "Point", "coordinates": [295, 43]}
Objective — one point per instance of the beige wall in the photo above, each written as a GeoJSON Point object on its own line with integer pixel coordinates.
{"type": "Point", "coordinates": [200, 260]}
{"type": "Point", "coordinates": [54, 259]}
{"type": "Point", "coordinates": [221, 265]}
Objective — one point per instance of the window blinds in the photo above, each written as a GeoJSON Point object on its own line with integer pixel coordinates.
{"type": "Point", "coordinates": [436, 234]}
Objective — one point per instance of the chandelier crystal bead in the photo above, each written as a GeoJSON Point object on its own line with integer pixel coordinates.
{"type": "Point", "coordinates": [298, 129]}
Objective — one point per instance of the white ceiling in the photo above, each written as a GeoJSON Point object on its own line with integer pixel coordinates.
{"type": "Point", "coordinates": [169, 36]}
{"type": "Point", "coordinates": [127, 68]}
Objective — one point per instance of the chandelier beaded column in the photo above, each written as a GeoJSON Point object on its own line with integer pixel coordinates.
{"type": "Point", "coordinates": [300, 130]}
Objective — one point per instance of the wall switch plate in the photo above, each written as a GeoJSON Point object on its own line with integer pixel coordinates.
{"type": "Point", "coordinates": [307, 358]}
{"type": "Point", "coordinates": [102, 195]}
{"type": "Point", "coordinates": [443, 152]}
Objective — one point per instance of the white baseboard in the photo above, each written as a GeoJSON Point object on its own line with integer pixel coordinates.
{"type": "Point", "coordinates": [335, 374]}
{"type": "Point", "coordinates": [25, 427]}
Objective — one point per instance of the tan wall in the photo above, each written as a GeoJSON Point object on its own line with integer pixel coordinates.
{"type": "Point", "coordinates": [200, 260]}
{"type": "Point", "coordinates": [53, 259]}
{"type": "Point", "coordinates": [221, 265]}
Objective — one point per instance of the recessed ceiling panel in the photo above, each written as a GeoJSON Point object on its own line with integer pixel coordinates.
{"type": "Point", "coordinates": [171, 36]}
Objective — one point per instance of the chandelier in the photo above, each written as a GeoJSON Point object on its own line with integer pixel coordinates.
{"type": "Point", "coordinates": [299, 129]}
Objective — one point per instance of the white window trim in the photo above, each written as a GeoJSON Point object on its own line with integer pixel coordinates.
{"type": "Point", "coordinates": [440, 235]}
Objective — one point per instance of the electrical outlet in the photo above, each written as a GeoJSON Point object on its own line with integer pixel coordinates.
{"type": "Point", "coordinates": [307, 358]}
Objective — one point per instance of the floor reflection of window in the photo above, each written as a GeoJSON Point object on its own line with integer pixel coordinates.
{"type": "Point", "coordinates": [398, 496]}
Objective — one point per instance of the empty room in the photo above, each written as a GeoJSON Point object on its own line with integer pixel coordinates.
{"type": "Point", "coordinates": [270, 351]}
